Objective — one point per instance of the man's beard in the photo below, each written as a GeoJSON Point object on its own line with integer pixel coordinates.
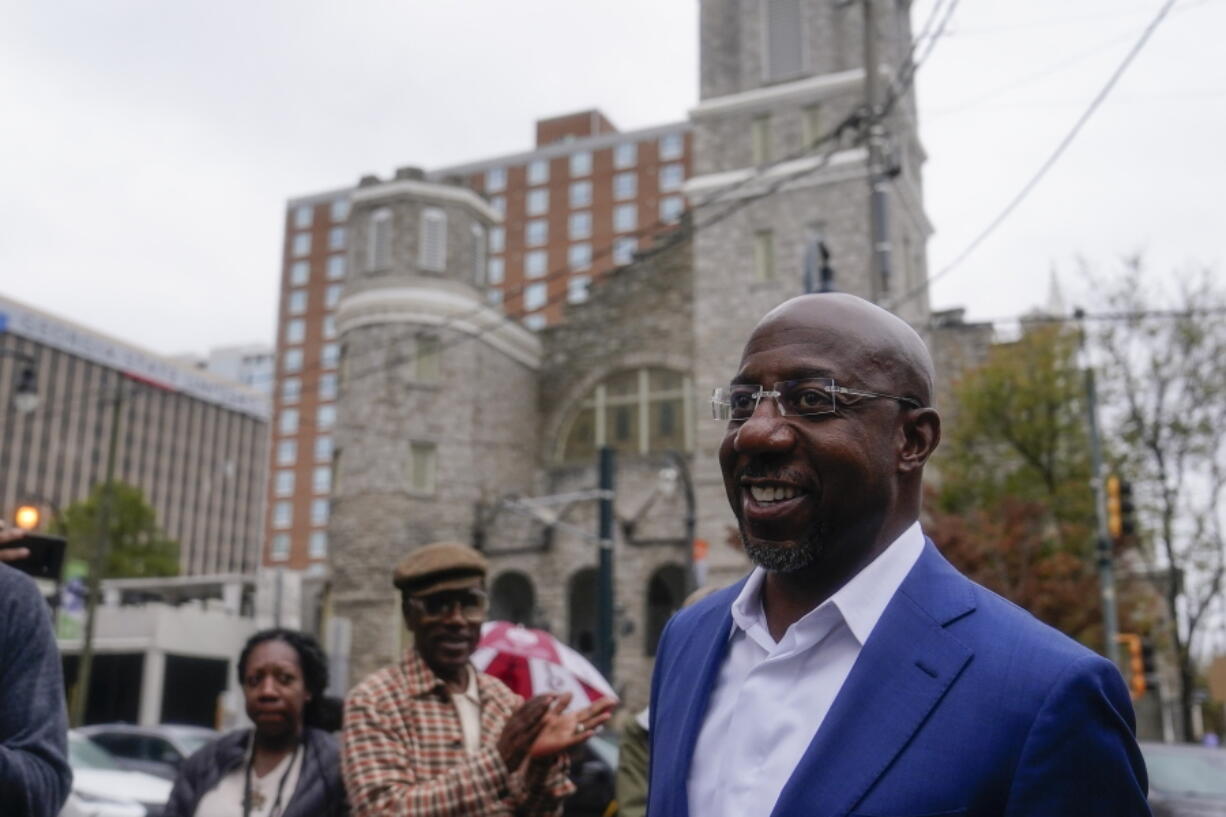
{"type": "Point", "coordinates": [782, 559]}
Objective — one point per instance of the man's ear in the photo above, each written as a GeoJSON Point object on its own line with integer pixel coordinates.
{"type": "Point", "coordinates": [920, 433]}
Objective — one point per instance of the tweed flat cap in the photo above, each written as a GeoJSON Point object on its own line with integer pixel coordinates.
{"type": "Point", "coordinates": [440, 566]}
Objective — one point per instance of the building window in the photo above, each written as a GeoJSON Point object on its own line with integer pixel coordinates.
{"type": "Point", "coordinates": [535, 296]}
{"type": "Point", "coordinates": [581, 163]}
{"type": "Point", "coordinates": [332, 295]}
{"type": "Point", "coordinates": [498, 239]}
{"type": "Point", "coordinates": [537, 203]}
{"type": "Point", "coordinates": [625, 218]}
{"type": "Point", "coordinates": [336, 238]}
{"type": "Point", "coordinates": [760, 135]}
{"type": "Point", "coordinates": [535, 322]}
{"type": "Point", "coordinates": [536, 232]}
{"type": "Point", "coordinates": [287, 452]}
{"type": "Point", "coordinates": [303, 216]}
{"type": "Point", "coordinates": [498, 271]}
{"type": "Point", "coordinates": [323, 448]}
{"type": "Point", "coordinates": [421, 467]}
{"type": "Point", "coordinates": [671, 208]}
{"type": "Point", "coordinates": [291, 361]}
{"type": "Point", "coordinates": [637, 411]}
{"type": "Point", "coordinates": [580, 225]}
{"type": "Point", "coordinates": [330, 355]}
{"type": "Point", "coordinates": [297, 302]}
{"type": "Point", "coordinates": [538, 171]}
{"type": "Point", "coordinates": [295, 330]}
{"type": "Point", "coordinates": [623, 250]}
{"type": "Point", "coordinates": [318, 544]}
{"type": "Point", "coordinates": [326, 418]}
{"type": "Point", "coordinates": [327, 386]}
{"type": "Point", "coordinates": [282, 514]}
{"type": "Point", "coordinates": [671, 177]}
{"type": "Point", "coordinates": [495, 179]}
{"type": "Point", "coordinates": [493, 297]}
{"type": "Point", "coordinates": [665, 592]}
{"type": "Point", "coordinates": [280, 547]}
{"type": "Point", "coordinates": [379, 251]}
{"type": "Point", "coordinates": [432, 249]}
{"type": "Point", "coordinates": [340, 209]}
{"type": "Point", "coordinates": [302, 244]}
{"type": "Point", "coordinates": [299, 273]}
{"type": "Point", "coordinates": [764, 254]}
{"type": "Point", "coordinates": [427, 358]}
{"type": "Point", "coordinates": [671, 146]}
{"type": "Point", "coordinates": [499, 204]}
{"type": "Point", "coordinates": [285, 483]}
{"type": "Point", "coordinates": [291, 390]}
{"type": "Point", "coordinates": [536, 263]}
{"type": "Point", "coordinates": [329, 327]}
{"type": "Point", "coordinates": [785, 54]}
{"type": "Point", "coordinates": [319, 511]}
{"type": "Point", "coordinates": [288, 423]}
{"type": "Point", "coordinates": [625, 186]}
{"type": "Point", "coordinates": [625, 155]}
{"type": "Point", "coordinates": [579, 256]}
{"type": "Point", "coordinates": [581, 194]}
{"type": "Point", "coordinates": [577, 289]}
{"type": "Point", "coordinates": [336, 267]}
{"type": "Point", "coordinates": [812, 124]}
{"type": "Point", "coordinates": [321, 479]}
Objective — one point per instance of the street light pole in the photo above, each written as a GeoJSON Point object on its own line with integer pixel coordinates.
{"type": "Point", "coordinates": [681, 463]}
{"type": "Point", "coordinates": [604, 615]}
{"type": "Point", "coordinates": [80, 695]}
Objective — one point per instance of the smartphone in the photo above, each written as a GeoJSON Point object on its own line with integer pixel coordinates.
{"type": "Point", "coordinates": [46, 559]}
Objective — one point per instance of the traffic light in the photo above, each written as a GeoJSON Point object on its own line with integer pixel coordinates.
{"type": "Point", "coordinates": [1149, 666]}
{"type": "Point", "coordinates": [1136, 662]}
{"type": "Point", "coordinates": [1121, 512]}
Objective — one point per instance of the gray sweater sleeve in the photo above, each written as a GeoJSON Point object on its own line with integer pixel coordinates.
{"type": "Point", "coordinates": [34, 773]}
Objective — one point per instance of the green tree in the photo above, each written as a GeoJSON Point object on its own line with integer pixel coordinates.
{"type": "Point", "coordinates": [1012, 504]}
{"type": "Point", "coordinates": [1163, 378]}
{"type": "Point", "coordinates": [138, 547]}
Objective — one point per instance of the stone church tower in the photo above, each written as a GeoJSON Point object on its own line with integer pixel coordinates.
{"type": "Point", "coordinates": [438, 409]}
{"type": "Point", "coordinates": [777, 77]}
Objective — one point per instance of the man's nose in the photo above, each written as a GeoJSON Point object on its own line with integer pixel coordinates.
{"type": "Point", "coordinates": [765, 430]}
{"type": "Point", "coordinates": [455, 613]}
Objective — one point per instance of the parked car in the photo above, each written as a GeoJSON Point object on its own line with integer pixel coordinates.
{"type": "Point", "coordinates": [1185, 780]}
{"type": "Point", "coordinates": [158, 750]}
{"type": "Point", "coordinates": [101, 787]}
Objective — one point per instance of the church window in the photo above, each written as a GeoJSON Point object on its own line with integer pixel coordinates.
{"type": "Point", "coordinates": [636, 411]}
{"type": "Point", "coordinates": [379, 253]}
{"type": "Point", "coordinates": [785, 52]}
{"type": "Point", "coordinates": [432, 251]}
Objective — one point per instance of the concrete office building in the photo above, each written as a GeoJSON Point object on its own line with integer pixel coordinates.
{"type": "Point", "coordinates": [194, 443]}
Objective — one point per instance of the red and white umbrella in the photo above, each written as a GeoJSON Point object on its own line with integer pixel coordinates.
{"type": "Point", "coordinates": [533, 662]}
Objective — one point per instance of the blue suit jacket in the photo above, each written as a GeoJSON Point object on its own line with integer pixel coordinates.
{"type": "Point", "coordinates": [960, 703]}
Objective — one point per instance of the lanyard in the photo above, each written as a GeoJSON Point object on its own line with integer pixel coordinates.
{"type": "Point", "coordinates": [247, 798]}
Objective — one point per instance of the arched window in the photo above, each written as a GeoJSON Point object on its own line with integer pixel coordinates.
{"type": "Point", "coordinates": [636, 411]}
{"type": "Point", "coordinates": [512, 598]}
{"type": "Point", "coordinates": [665, 592]}
{"type": "Point", "coordinates": [582, 609]}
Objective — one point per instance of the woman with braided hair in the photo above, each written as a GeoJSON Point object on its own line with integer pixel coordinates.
{"type": "Point", "coordinates": [285, 766]}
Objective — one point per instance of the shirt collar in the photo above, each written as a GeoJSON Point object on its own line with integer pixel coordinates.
{"type": "Point", "coordinates": [860, 602]}
{"type": "Point", "coordinates": [420, 680]}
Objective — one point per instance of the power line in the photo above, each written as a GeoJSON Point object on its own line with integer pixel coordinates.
{"type": "Point", "coordinates": [1047, 164]}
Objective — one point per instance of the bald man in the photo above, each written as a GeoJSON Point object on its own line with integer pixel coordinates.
{"type": "Point", "coordinates": [854, 671]}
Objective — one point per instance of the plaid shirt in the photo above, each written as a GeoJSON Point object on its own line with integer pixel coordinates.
{"type": "Point", "coordinates": [404, 755]}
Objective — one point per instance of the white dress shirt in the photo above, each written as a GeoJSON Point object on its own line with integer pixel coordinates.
{"type": "Point", "coordinates": [468, 706]}
{"type": "Point", "coordinates": [770, 698]}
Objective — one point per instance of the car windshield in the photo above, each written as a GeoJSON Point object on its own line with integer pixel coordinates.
{"type": "Point", "coordinates": [83, 753]}
{"type": "Point", "coordinates": [1189, 773]}
{"type": "Point", "coordinates": [190, 742]}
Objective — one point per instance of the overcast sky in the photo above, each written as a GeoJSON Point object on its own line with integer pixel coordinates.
{"type": "Point", "coordinates": [148, 147]}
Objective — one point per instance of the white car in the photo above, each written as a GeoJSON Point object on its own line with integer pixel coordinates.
{"type": "Point", "coordinates": [102, 788]}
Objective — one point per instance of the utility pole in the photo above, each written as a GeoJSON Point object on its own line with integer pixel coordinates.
{"type": "Point", "coordinates": [878, 215]}
{"type": "Point", "coordinates": [80, 696]}
{"type": "Point", "coordinates": [1106, 561]}
{"type": "Point", "coordinates": [605, 648]}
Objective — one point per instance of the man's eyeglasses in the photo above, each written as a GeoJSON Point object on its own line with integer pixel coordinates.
{"type": "Point", "coordinates": [472, 604]}
{"type": "Point", "coordinates": [793, 398]}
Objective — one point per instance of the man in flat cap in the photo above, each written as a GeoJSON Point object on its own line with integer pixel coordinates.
{"type": "Point", "coordinates": [431, 735]}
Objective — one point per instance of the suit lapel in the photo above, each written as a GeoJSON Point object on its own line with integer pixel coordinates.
{"type": "Point", "coordinates": [904, 670]}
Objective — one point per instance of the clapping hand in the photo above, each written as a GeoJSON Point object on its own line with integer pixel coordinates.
{"type": "Point", "coordinates": [562, 729]}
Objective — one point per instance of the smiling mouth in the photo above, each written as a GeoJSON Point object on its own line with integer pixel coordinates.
{"type": "Point", "coordinates": [768, 493]}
